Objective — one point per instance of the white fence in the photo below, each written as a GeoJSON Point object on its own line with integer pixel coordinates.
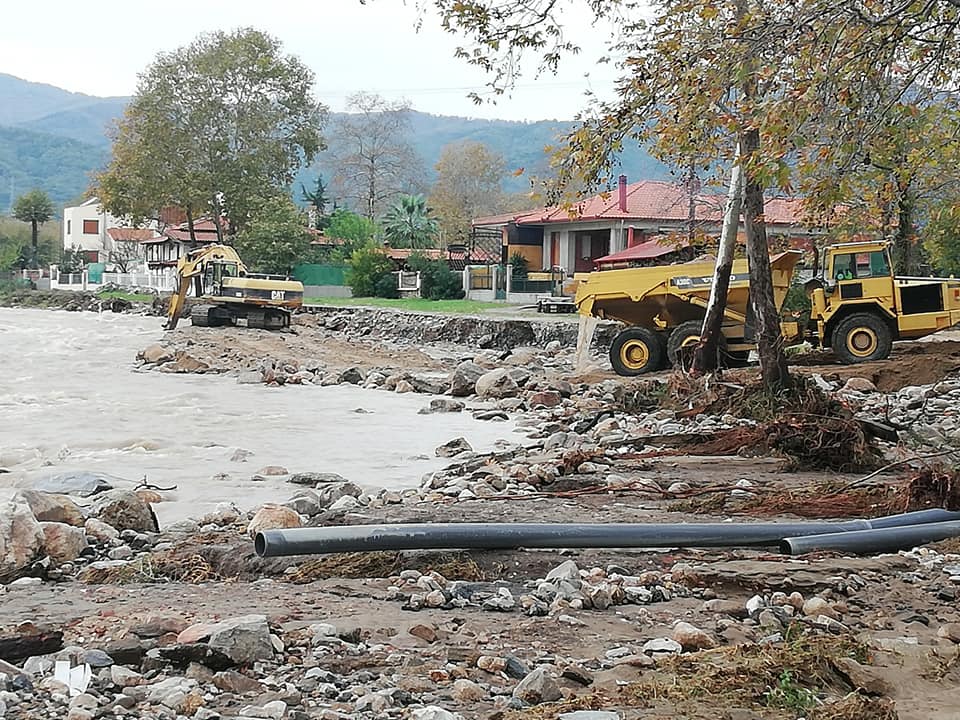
{"type": "Point", "coordinates": [56, 280]}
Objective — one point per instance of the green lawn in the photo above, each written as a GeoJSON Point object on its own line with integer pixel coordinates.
{"type": "Point", "coordinates": [413, 304]}
{"type": "Point", "coordinates": [131, 297]}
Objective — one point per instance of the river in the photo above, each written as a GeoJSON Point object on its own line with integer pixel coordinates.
{"type": "Point", "coordinates": [72, 399]}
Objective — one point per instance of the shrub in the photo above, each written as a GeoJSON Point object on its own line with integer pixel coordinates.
{"type": "Point", "coordinates": [520, 265]}
{"type": "Point", "coordinates": [368, 266]}
{"type": "Point", "coordinates": [386, 287]}
{"type": "Point", "coordinates": [437, 280]}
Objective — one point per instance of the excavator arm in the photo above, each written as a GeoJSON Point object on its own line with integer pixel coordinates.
{"type": "Point", "coordinates": [192, 265]}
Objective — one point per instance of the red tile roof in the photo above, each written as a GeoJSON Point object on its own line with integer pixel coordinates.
{"type": "Point", "coordinates": [646, 200]}
{"type": "Point", "coordinates": [131, 234]}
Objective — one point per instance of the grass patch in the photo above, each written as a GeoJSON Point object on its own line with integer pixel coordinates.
{"type": "Point", "coordinates": [463, 307]}
{"type": "Point", "coordinates": [123, 295]}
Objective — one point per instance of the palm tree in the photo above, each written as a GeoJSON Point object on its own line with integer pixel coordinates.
{"type": "Point", "coordinates": [408, 224]}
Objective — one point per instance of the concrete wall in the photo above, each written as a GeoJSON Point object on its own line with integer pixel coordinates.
{"type": "Point", "coordinates": [73, 235]}
{"type": "Point", "coordinates": [321, 291]}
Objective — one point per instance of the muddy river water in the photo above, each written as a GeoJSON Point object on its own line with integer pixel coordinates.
{"type": "Point", "coordinates": [71, 399]}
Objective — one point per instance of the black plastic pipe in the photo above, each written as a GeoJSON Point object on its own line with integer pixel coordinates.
{"type": "Point", "coordinates": [866, 542]}
{"type": "Point", "coordinates": [500, 536]}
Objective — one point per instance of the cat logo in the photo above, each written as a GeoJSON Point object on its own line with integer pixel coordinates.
{"type": "Point", "coordinates": [277, 294]}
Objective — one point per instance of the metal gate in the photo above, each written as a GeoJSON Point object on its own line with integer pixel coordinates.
{"type": "Point", "coordinates": [501, 289]}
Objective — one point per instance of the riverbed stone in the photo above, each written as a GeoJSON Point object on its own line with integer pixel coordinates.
{"type": "Point", "coordinates": [21, 538]}
{"type": "Point", "coordinates": [537, 687]}
{"type": "Point", "coordinates": [243, 639]}
{"type": "Point", "coordinates": [63, 543]}
{"type": "Point", "coordinates": [51, 507]}
{"type": "Point", "coordinates": [691, 637]}
{"type": "Point", "coordinates": [124, 510]}
{"type": "Point", "coordinates": [273, 517]}
{"type": "Point", "coordinates": [463, 379]}
{"type": "Point", "coordinates": [454, 447]}
{"type": "Point", "coordinates": [497, 384]}
{"type": "Point", "coordinates": [155, 354]}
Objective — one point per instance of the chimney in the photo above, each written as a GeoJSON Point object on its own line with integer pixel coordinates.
{"type": "Point", "coordinates": [623, 193]}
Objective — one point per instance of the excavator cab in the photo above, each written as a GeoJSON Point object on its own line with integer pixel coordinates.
{"type": "Point", "coordinates": [214, 275]}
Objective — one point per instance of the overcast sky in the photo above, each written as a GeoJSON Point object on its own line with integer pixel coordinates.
{"type": "Point", "coordinates": [98, 47]}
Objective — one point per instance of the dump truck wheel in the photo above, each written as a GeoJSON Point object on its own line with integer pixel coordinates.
{"type": "Point", "coordinates": [861, 338]}
{"type": "Point", "coordinates": [683, 341]}
{"type": "Point", "coordinates": [635, 351]}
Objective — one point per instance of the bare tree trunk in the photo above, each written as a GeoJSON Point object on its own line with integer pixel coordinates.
{"type": "Point", "coordinates": [705, 358]}
{"type": "Point", "coordinates": [773, 362]}
{"type": "Point", "coordinates": [904, 250]}
{"type": "Point", "coordinates": [190, 227]}
{"type": "Point", "coordinates": [216, 219]}
{"type": "Point", "coordinates": [35, 246]}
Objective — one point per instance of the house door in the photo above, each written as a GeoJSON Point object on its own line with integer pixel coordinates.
{"type": "Point", "coordinates": [589, 246]}
{"type": "Point", "coordinates": [554, 250]}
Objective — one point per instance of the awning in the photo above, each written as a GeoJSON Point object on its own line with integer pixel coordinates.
{"type": "Point", "coordinates": [644, 251]}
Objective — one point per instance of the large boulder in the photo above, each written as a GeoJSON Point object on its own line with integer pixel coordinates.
{"type": "Point", "coordinates": [273, 517]}
{"type": "Point", "coordinates": [539, 686]}
{"type": "Point", "coordinates": [125, 510]}
{"type": "Point", "coordinates": [155, 354]}
{"type": "Point", "coordinates": [463, 380]}
{"type": "Point", "coordinates": [21, 538]}
{"type": "Point", "coordinates": [243, 639]}
{"type": "Point", "coordinates": [328, 494]}
{"type": "Point", "coordinates": [63, 543]}
{"type": "Point", "coordinates": [82, 483]}
{"type": "Point", "coordinates": [51, 507]}
{"type": "Point", "coordinates": [497, 384]}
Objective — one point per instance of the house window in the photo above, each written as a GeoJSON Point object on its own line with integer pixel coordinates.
{"type": "Point", "coordinates": [68, 227]}
{"type": "Point", "coordinates": [91, 227]}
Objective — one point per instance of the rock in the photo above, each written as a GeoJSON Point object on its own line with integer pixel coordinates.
{"type": "Point", "coordinates": [273, 471]}
{"type": "Point", "coordinates": [404, 386]}
{"type": "Point", "coordinates": [463, 380]}
{"type": "Point", "coordinates": [273, 710]}
{"type": "Point", "coordinates": [273, 517]}
{"type": "Point", "coordinates": [233, 682]}
{"type": "Point", "coordinates": [497, 384]}
{"type": "Point", "coordinates": [726, 607]}
{"type": "Point", "coordinates": [568, 571]}
{"type": "Point", "coordinates": [195, 633]}
{"type": "Point", "coordinates": [691, 637]}
{"type": "Point", "coordinates": [63, 543]}
{"type": "Point", "coordinates": [27, 640]}
{"type": "Point", "coordinates": [99, 530]}
{"type": "Point", "coordinates": [538, 687]}
{"type": "Point", "coordinates": [243, 639]}
{"type": "Point", "coordinates": [491, 664]}
{"type": "Point", "coordinates": [454, 447]}
{"type": "Point", "coordinates": [124, 510]}
{"type": "Point", "coordinates": [21, 539]}
{"type": "Point", "coordinates": [467, 691]}
{"type": "Point", "coordinates": [818, 606]}
{"type": "Point", "coordinates": [51, 507]}
{"type": "Point", "coordinates": [155, 354]}
{"type": "Point", "coordinates": [82, 484]}
{"type": "Point", "coordinates": [433, 712]}
{"type": "Point", "coordinates": [950, 631]}
{"type": "Point", "coordinates": [442, 405]}
{"type": "Point", "coordinates": [547, 398]}
{"type": "Point", "coordinates": [328, 494]}
{"type": "Point", "coordinates": [124, 677]}
{"type": "Point", "coordinates": [662, 645]}
{"type": "Point", "coordinates": [127, 650]}
{"type": "Point", "coordinates": [312, 479]}
{"type": "Point", "coordinates": [351, 375]}
{"type": "Point", "coordinates": [578, 674]}
{"type": "Point", "coordinates": [859, 384]}
{"type": "Point", "coordinates": [249, 377]}
{"type": "Point", "coordinates": [424, 632]}
{"type": "Point", "coordinates": [863, 677]}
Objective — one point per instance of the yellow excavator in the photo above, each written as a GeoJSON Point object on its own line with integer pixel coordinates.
{"type": "Point", "coordinates": [229, 295]}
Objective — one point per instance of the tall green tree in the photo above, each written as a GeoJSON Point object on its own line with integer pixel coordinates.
{"type": "Point", "coordinates": [276, 238]}
{"type": "Point", "coordinates": [214, 127]}
{"type": "Point", "coordinates": [318, 201]}
{"type": "Point", "coordinates": [410, 223]}
{"type": "Point", "coordinates": [36, 208]}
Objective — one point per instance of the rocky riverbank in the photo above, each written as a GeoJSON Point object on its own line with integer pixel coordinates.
{"type": "Point", "coordinates": [186, 621]}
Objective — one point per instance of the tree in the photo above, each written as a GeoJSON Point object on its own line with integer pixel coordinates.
{"type": "Point", "coordinates": [317, 198]}
{"type": "Point", "coordinates": [410, 224]}
{"type": "Point", "coordinates": [469, 185]}
{"type": "Point", "coordinates": [437, 280]}
{"type": "Point", "coordinates": [36, 208]}
{"type": "Point", "coordinates": [276, 237]}
{"type": "Point", "coordinates": [125, 255]}
{"type": "Point", "coordinates": [372, 158]}
{"type": "Point", "coordinates": [354, 230]}
{"type": "Point", "coordinates": [213, 127]}
{"type": "Point", "coordinates": [370, 272]}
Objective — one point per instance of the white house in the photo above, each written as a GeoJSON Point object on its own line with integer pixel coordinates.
{"type": "Point", "coordinates": [85, 228]}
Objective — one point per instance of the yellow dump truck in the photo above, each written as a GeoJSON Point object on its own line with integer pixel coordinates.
{"type": "Point", "coordinates": [858, 307]}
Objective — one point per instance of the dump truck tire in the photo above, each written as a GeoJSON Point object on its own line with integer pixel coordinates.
{"type": "Point", "coordinates": [635, 351]}
{"type": "Point", "coordinates": [683, 338]}
{"type": "Point", "coordinates": [862, 337]}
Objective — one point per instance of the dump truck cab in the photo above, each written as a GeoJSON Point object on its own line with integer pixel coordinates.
{"type": "Point", "coordinates": [860, 307]}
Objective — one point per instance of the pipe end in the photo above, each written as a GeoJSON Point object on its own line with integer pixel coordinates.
{"type": "Point", "coordinates": [260, 544]}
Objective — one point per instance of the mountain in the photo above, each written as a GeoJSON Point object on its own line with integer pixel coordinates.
{"type": "Point", "coordinates": [54, 139]}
